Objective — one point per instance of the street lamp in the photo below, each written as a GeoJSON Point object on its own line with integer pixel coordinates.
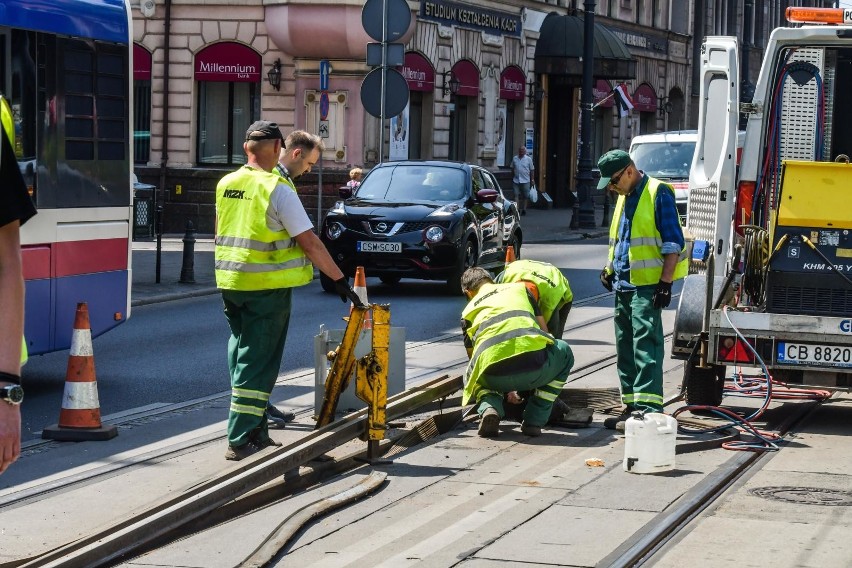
{"type": "Point", "coordinates": [449, 86]}
{"type": "Point", "coordinates": [584, 215]}
{"type": "Point", "coordinates": [534, 92]}
{"type": "Point", "coordinates": [274, 75]}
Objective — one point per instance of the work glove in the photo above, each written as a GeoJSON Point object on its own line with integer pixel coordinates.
{"type": "Point", "coordinates": [663, 295]}
{"type": "Point", "coordinates": [342, 287]}
{"type": "Point", "coordinates": [606, 279]}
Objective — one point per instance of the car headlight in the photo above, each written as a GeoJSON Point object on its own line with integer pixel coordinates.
{"type": "Point", "coordinates": [333, 230]}
{"type": "Point", "coordinates": [433, 234]}
{"type": "Point", "coordinates": [445, 211]}
{"type": "Point", "coordinates": [338, 208]}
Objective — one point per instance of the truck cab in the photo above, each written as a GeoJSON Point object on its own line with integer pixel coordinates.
{"type": "Point", "coordinates": [773, 290]}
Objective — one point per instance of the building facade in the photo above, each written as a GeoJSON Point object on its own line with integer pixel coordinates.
{"type": "Point", "coordinates": [479, 87]}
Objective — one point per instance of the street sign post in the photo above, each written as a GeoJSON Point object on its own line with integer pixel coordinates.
{"type": "Point", "coordinates": [323, 105]}
{"type": "Point", "coordinates": [324, 72]}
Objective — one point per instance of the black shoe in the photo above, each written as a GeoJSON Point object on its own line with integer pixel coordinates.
{"type": "Point", "coordinates": [523, 212]}
{"type": "Point", "coordinates": [618, 422]}
{"type": "Point", "coordinates": [530, 430]}
{"type": "Point", "coordinates": [489, 424]}
{"type": "Point", "coordinates": [279, 417]}
{"type": "Point", "coordinates": [236, 453]}
{"type": "Point", "coordinates": [267, 443]}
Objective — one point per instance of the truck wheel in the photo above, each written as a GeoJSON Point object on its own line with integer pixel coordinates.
{"type": "Point", "coordinates": [704, 386]}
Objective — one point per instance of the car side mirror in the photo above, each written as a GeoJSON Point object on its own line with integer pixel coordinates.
{"type": "Point", "coordinates": [344, 192]}
{"type": "Point", "coordinates": [486, 195]}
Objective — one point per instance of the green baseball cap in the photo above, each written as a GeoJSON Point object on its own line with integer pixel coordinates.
{"type": "Point", "coordinates": [610, 164]}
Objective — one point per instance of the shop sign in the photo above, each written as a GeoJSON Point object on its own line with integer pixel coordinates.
{"type": "Point", "coordinates": [418, 73]}
{"type": "Point", "coordinates": [228, 62]}
{"type": "Point", "coordinates": [466, 16]}
{"type": "Point", "coordinates": [644, 98]}
{"type": "Point", "coordinates": [512, 83]}
{"type": "Point", "coordinates": [601, 91]}
{"type": "Point", "coordinates": [141, 63]}
{"type": "Point", "coordinates": [641, 41]}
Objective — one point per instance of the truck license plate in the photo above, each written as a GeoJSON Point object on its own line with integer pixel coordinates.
{"type": "Point", "coordinates": [376, 246]}
{"type": "Point", "coordinates": [817, 355]}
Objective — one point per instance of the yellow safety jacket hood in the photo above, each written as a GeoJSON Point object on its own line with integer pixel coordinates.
{"type": "Point", "coordinates": [249, 255]}
{"type": "Point", "coordinates": [646, 260]}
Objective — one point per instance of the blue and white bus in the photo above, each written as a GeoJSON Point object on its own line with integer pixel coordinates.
{"type": "Point", "coordinates": [66, 70]}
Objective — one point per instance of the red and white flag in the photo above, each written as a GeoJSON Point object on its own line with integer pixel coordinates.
{"type": "Point", "coordinates": [623, 100]}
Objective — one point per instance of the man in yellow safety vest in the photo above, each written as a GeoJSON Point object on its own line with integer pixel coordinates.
{"type": "Point", "coordinates": [646, 254]}
{"type": "Point", "coordinates": [509, 351]}
{"type": "Point", "coordinates": [265, 247]}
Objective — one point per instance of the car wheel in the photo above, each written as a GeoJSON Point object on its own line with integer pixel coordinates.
{"type": "Point", "coordinates": [390, 280]}
{"type": "Point", "coordinates": [465, 261]}
{"type": "Point", "coordinates": [515, 243]}
{"type": "Point", "coordinates": [326, 283]}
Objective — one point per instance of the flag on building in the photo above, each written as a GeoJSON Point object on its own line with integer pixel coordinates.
{"type": "Point", "coordinates": [623, 100]}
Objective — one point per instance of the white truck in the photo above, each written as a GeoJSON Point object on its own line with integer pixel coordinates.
{"type": "Point", "coordinates": [770, 286]}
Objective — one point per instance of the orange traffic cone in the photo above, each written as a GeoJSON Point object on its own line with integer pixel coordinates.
{"type": "Point", "coordinates": [80, 416]}
{"type": "Point", "coordinates": [360, 287]}
{"type": "Point", "coordinates": [510, 254]}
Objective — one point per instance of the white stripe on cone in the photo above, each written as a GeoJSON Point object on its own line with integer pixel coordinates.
{"type": "Point", "coordinates": [80, 396]}
{"type": "Point", "coordinates": [81, 343]}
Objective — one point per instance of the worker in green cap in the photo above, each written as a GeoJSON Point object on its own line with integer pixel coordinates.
{"type": "Point", "coordinates": [646, 254]}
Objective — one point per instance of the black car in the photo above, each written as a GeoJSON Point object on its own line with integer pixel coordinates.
{"type": "Point", "coordinates": [429, 220]}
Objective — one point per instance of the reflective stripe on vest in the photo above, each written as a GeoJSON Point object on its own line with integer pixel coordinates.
{"type": "Point", "coordinates": [646, 260]}
{"type": "Point", "coordinates": [553, 288]}
{"type": "Point", "coordinates": [502, 324]}
{"type": "Point", "coordinates": [249, 255]}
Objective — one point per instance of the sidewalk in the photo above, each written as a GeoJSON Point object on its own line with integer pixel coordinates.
{"type": "Point", "coordinates": [539, 226]}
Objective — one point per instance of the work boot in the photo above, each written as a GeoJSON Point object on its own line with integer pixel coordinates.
{"type": "Point", "coordinates": [489, 424]}
{"type": "Point", "coordinates": [279, 417]}
{"type": "Point", "coordinates": [530, 430]}
{"type": "Point", "coordinates": [236, 453]}
{"type": "Point", "coordinates": [618, 422]}
{"type": "Point", "coordinates": [268, 443]}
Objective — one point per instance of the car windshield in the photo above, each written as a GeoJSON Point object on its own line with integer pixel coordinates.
{"type": "Point", "coordinates": [665, 160]}
{"type": "Point", "coordinates": [413, 183]}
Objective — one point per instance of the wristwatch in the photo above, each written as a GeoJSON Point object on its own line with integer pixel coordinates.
{"type": "Point", "coordinates": [12, 394]}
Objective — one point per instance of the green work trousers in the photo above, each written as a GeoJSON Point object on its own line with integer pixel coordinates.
{"type": "Point", "coordinates": [545, 383]}
{"type": "Point", "coordinates": [556, 324]}
{"type": "Point", "coordinates": [639, 347]}
{"type": "Point", "coordinates": [258, 322]}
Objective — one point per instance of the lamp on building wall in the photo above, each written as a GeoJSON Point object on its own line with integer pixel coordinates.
{"type": "Point", "coordinates": [274, 75]}
{"type": "Point", "coordinates": [449, 86]}
{"type": "Point", "coordinates": [665, 107]}
{"type": "Point", "coordinates": [534, 92]}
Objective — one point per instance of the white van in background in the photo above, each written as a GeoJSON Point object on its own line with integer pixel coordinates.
{"type": "Point", "coordinates": [668, 156]}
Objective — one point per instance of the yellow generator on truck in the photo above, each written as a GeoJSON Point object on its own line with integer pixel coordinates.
{"type": "Point", "coordinates": [771, 282]}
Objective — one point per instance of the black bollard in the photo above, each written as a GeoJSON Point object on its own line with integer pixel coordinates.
{"type": "Point", "coordinates": [187, 270]}
{"type": "Point", "coordinates": [606, 204]}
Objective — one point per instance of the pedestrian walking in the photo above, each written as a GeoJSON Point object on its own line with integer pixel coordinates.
{"type": "Point", "coordinates": [523, 172]}
{"type": "Point", "coordinates": [265, 247]}
{"type": "Point", "coordinates": [16, 208]}
{"type": "Point", "coordinates": [509, 351]}
{"type": "Point", "coordinates": [646, 254]}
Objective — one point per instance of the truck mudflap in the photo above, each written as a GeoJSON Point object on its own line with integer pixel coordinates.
{"type": "Point", "coordinates": [783, 341]}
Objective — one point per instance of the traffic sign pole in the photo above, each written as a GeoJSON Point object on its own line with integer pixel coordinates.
{"type": "Point", "coordinates": [384, 79]}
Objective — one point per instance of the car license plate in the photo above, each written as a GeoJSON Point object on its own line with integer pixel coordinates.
{"type": "Point", "coordinates": [816, 355]}
{"type": "Point", "coordinates": [376, 246]}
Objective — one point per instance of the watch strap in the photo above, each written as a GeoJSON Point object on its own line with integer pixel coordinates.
{"type": "Point", "coordinates": [10, 378]}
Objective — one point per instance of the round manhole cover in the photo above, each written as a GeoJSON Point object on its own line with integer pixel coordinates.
{"type": "Point", "coordinates": [806, 495]}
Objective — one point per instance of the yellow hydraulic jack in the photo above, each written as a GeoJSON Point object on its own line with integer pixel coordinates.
{"type": "Point", "coordinates": [371, 375]}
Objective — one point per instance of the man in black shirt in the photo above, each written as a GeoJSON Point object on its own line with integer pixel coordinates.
{"type": "Point", "coordinates": [15, 208]}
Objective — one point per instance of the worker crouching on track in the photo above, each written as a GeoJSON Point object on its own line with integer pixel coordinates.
{"type": "Point", "coordinates": [264, 248]}
{"type": "Point", "coordinates": [510, 351]}
{"type": "Point", "coordinates": [553, 292]}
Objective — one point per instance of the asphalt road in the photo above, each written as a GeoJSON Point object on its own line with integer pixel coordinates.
{"type": "Point", "coordinates": [175, 351]}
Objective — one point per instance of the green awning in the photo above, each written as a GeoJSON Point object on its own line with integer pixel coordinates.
{"type": "Point", "coordinates": [559, 50]}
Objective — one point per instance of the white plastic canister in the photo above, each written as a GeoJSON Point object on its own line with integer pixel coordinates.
{"type": "Point", "coordinates": [650, 443]}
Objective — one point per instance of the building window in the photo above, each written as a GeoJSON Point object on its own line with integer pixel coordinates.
{"type": "Point", "coordinates": [228, 76]}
